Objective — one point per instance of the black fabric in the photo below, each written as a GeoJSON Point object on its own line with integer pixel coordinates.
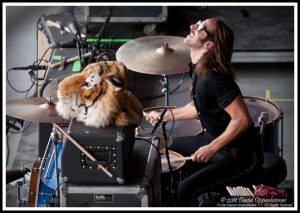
{"type": "Point", "coordinates": [227, 164]}
{"type": "Point", "coordinates": [212, 94]}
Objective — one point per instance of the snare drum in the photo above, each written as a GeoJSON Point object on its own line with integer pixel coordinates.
{"type": "Point", "coordinates": [257, 105]}
{"type": "Point", "coordinates": [169, 182]}
{"type": "Point", "coordinates": [43, 186]}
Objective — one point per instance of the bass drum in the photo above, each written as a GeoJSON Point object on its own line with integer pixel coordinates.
{"type": "Point", "coordinates": [43, 186]}
{"type": "Point", "coordinates": [256, 106]}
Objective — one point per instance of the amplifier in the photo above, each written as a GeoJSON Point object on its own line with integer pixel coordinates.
{"type": "Point", "coordinates": [53, 27]}
{"type": "Point", "coordinates": [110, 146]}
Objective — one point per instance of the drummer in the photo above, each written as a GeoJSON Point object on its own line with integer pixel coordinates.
{"type": "Point", "coordinates": [229, 145]}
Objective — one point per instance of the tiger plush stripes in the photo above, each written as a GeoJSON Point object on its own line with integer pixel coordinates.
{"type": "Point", "coordinates": [98, 97]}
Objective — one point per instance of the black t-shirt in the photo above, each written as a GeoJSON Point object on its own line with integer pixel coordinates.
{"type": "Point", "coordinates": [212, 93]}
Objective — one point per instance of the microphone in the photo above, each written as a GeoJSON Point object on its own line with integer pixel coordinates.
{"type": "Point", "coordinates": [159, 120]}
{"type": "Point", "coordinates": [73, 27]}
{"type": "Point", "coordinates": [13, 175]}
{"type": "Point", "coordinates": [31, 67]}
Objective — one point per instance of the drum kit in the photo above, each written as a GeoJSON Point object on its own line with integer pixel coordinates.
{"type": "Point", "coordinates": [155, 55]}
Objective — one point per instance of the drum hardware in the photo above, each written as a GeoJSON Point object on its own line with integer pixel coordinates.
{"type": "Point", "coordinates": [100, 167]}
{"type": "Point", "coordinates": [54, 139]}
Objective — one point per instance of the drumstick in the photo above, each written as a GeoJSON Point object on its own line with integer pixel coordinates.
{"type": "Point", "coordinates": [178, 159]}
{"type": "Point", "coordinates": [82, 149]}
{"type": "Point", "coordinates": [69, 60]}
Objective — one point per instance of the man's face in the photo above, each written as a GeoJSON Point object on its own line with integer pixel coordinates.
{"type": "Point", "coordinates": [199, 34]}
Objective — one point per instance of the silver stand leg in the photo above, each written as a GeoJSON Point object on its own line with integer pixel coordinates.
{"type": "Point", "coordinates": [54, 138]}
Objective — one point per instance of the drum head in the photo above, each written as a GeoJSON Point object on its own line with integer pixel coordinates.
{"type": "Point", "coordinates": [173, 155]}
{"type": "Point", "coordinates": [257, 105]}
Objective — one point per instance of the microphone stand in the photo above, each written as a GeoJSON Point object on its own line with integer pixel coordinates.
{"type": "Point", "coordinates": [103, 28]}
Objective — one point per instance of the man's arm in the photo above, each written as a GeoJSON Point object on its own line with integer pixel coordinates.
{"type": "Point", "coordinates": [187, 112]}
{"type": "Point", "coordinates": [240, 121]}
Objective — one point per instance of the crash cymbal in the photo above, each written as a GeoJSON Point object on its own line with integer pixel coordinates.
{"type": "Point", "coordinates": [52, 87]}
{"type": "Point", "coordinates": [33, 109]}
{"type": "Point", "coordinates": [155, 55]}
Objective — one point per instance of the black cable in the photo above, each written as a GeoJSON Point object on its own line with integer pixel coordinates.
{"type": "Point", "coordinates": [33, 82]}
{"type": "Point", "coordinates": [16, 90]}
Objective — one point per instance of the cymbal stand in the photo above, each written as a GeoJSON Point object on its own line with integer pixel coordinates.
{"type": "Point", "coordinates": [54, 138]}
{"type": "Point", "coordinates": [165, 89]}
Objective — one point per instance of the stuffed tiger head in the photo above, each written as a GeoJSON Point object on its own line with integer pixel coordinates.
{"type": "Point", "coordinates": [97, 96]}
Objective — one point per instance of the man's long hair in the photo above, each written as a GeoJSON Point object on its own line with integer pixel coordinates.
{"type": "Point", "coordinates": [219, 56]}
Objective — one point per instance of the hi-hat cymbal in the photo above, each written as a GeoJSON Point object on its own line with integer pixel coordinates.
{"type": "Point", "coordinates": [155, 55]}
{"type": "Point", "coordinates": [33, 109]}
